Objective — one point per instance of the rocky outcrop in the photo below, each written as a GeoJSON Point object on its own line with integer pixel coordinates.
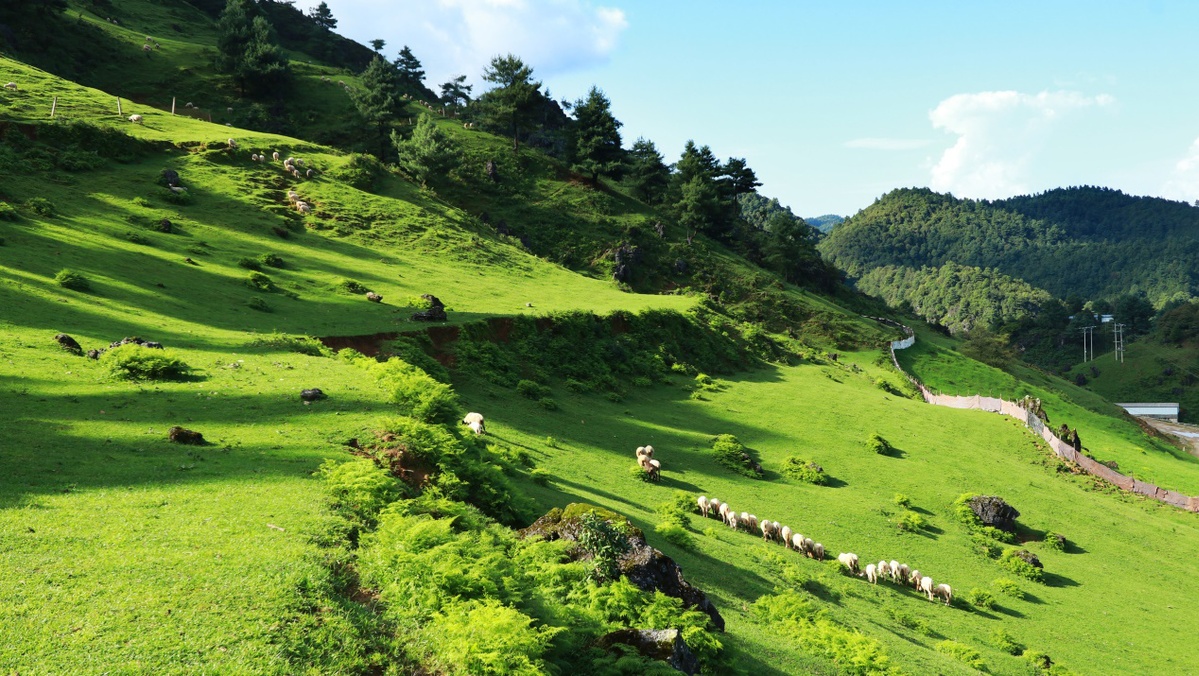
{"type": "Point", "coordinates": [68, 344]}
{"type": "Point", "coordinates": [181, 435]}
{"type": "Point", "coordinates": [314, 394]}
{"type": "Point", "coordinates": [666, 645]}
{"type": "Point", "coordinates": [435, 313]}
{"type": "Point", "coordinates": [135, 340]}
{"type": "Point", "coordinates": [994, 511]}
{"type": "Point", "coordinates": [1029, 558]}
{"type": "Point", "coordinates": [647, 568]}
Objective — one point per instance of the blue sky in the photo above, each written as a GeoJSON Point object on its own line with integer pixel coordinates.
{"type": "Point", "coordinates": [835, 103]}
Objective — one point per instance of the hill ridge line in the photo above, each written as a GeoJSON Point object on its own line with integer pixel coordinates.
{"type": "Point", "coordinates": [1031, 421]}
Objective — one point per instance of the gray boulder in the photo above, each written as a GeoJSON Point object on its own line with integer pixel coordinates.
{"type": "Point", "coordinates": [994, 511]}
{"type": "Point", "coordinates": [666, 645]}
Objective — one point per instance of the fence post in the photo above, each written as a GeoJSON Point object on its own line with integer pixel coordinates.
{"type": "Point", "coordinates": [119, 113]}
{"type": "Point", "coordinates": [53, 106]}
{"type": "Point", "coordinates": [172, 105]}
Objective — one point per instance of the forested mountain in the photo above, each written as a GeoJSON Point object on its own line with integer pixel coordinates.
{"type": "Point", "coordinates": [825, 223]}
{"type": "Point", "coordinates": [1090, 243]}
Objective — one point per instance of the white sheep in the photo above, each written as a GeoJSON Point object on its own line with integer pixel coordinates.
{"type": "Point", "coordinates": [177, 188]}
{"type": "Point", "coordinates": [308, 174]}
{"type": "Point", "coordinates": [809, 547]}
{"type": "Point", "coordinates": [797, 542]}
{"type": "Point", "coordinates": [147, 48]}
{"type": "Point", "coordinates": [743, 519]}
{"type": "Point", "coordinates": [817, 551]}
{"type": "Point", "coordinates": [926, 586]}
{"type": "Point", "coordinates": [883, 569]}
{"type": "Point", "coordinates": [902, 576]}
{"type": "Point", "coordinates": [723, 511]}
{"type": "Point", "coordinates": [752, 523]}
{"type": "Point", "coordinates": [640, 453]}
{"type": "Point", "coordinates": [915, 578]}
{"type": "Point", "coordinates": [275, 156]}
{"type": "Point", "coordinates": [11, 86]}
{"type": "Point", "coordinates": [733, 521]}
{"type": "Point", "coordinates": [704, 505]}
{"type": "Point", "coordinates": [944, 591]}
{"type": "Point", "coordinates": [649, 451]}
{"type": "Point", "coordinates": [253, 157]}
{"type": "Point", "coordinates": [871, 574]}
{"type": "Point", "coordinates": [292, 196]}
{"type": "Point", "coordinates": [655, 470]}
{"type": "Point", "coordinates": [135, 118]}
{"type": "Point", "coordinates": [850, 561]}
{"type": "Point", "coordinates": [714, 505]}
{"type": "Point", "coordinates": [188, 105]}
{"type": "Point", "coordinates": [303, 207]}
{"type": "Point", "coordinates": [475, 422]}
{"type": "Point", "coordinates": [767, 529]}
{"type": "Point", "coordinates": [786, 535]}
{"type": "Point", "coordinates": [893, 570]}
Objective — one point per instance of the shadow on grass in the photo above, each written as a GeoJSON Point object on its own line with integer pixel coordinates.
{"type": "Point", "coordinates": [1055, 580]}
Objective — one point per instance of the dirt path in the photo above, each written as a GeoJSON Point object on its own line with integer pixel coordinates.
{"type": "Point", "coordinates": [1187, 434]}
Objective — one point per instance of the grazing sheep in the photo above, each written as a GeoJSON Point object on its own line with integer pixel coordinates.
{"type": "Point", "coordinates": [177, 188]}
{"type": "Point", "coordinates": [714, 505]}
{"type": "Point", "coordinates": [374, 297]}
{"type": "Point", "coordinates": [883, 569]}
{"type": "Point", "coordinates": [733, 521]}
{"type": "Point", "coordinates": [295, 173]}
{"type": "Point", "coordinates": [751, 523]}
{"type": "Point", "coordinates": [915, 578]}
{"type": "Point", "coordinates": [308, 174]}
{"type": "Point", "coordinates": [275, 156]}
{"type": "Point", "coordinates": [292, 196]}
{"type": "Point", "coordinates": [850, 561]}
{"type": "Point", "coordinates": [147, 49]}
{"type": "Point", "coordinates": [817, 551]}
{"type": "Point", "coordinates": [926, 586]}
{"type": "Point", "coordinates": [903, 573]}
{"type": "Point", "coordinates": [11, 86]}
{"type": "Point", "coordinates": [475, 422]}
{"type": "Point", "coordinates": [649, 451]}
{"type": "Point", "coordinates": [229, 110]}
{"type": "Point", "coordinates": [944, 592]}
{"type": "Point", "coordinates": [871, 574]}
{"type": "Point", "coordinates": [704, 506]}
{"type": "Point", "coordinates": [785, 533]}
{"type": "Point", "coordinates": [797, 542]}
{"type": "Point", "coordinates": [767, 529]}
{"type": "Point", "coordinates": [893, 570]}
{"type": "Point", "coordinates": [188, 105]}
{"type": "Point", "coordinates": [303, 207]}
{"type": "Point", "coordinates": [655, 470]}
{"type": "Point", "coordinates": [135, 118]}
{"type": "Point", "coordinates": [743, 519]}
{"type": "Point", "coordinates": [232, 144]}
{"type": "Point", "coordinates": [724, 511]}
{"type": "Point", "coordinates": [253, 157]}
{"type": "Point", "coordinates": [640, 453]}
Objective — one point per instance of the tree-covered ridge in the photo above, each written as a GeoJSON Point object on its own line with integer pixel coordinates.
{"type": "Point", "coordinates": [958, 297]}
{"type": "Point", "coordinates": [1086, 242]}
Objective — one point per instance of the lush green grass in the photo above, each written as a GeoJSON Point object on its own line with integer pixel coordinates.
{"type": "Point", "coordinates": [1150, 372]}
{"type": "Point", "coordinates": [1107, 433]}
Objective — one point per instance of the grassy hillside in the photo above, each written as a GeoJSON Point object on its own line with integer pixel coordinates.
{"type": "Point", "coordinates": [1150, 372]}
{"type": "Point", "coordinates": [125, 552]}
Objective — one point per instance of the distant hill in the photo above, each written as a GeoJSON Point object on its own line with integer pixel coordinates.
{"type": "Point", "coordinates": [825, 223]}
{"type": "Point", "coordinates": [1093, 243]}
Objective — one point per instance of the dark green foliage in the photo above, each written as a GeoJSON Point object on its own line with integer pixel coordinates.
{"type": "Point", "coordinates": [605, 543]}
{"type": "Point", "coordinates": [1055, 542]}
{"type": "Point", "coordinates": [360, 489]}
{"type": "Point", "coordinates": [512, 103]}
{"type": "Point", "coordinates": [415, 392]}
{"type": "Point", "coordinates": [731, 453]}
{"type": "Point", "coordinates": [541, 477]}
{"type": "Point", "coordinates": [1001, 639]}
{"type": "Point", "coordinates": [597, 136]}
{"type": "Point", "coordinates": [359, 171]}
{"type": "Point", "coordinates": [181, 198]}
{"type": "Point", "coordinates": [981, 598]}
{"type": "Point", "coordinates": [902, 500]}
{"type": "Point", "coordinates": [548, 403]}
{"type": "Point", "coordinates": [256, 303]}
{"type": "Point", "coordinates": [247, 50]}
{"type": "Point", "coordinates": [298, 344]}
{"type": "Point", "coordinates": [378, 101]}
{"type": "Point", "coordinates": [912, 521]}
{"type": "Point", "coordinates": [260, 282]}
{"type": "Point", "coordinates": [647, 172]}
{"type": "Point", "coordinates": [804, 470]}
{"type": "Point", "coordinates": [1176, 326]}
{"type": "Point", "coordinates": [1014, 563]}
{"type": "Point", "coordinates": [134, 362]}
{"type": "Point", "coordinates": [7, 212]}
{"type": "Point", "coordinates": [410, 75]}
{"type": "Point", "coordinates": [531, 390]}
{"type": "Point", "coordinates": [271, 259]}
{"type": "Point", "coordinates": [430, 154]}
{"type": "Point", "coordinates": [322, 16]}
{"type": "Point", "coordinates": [455, 94]}
{"type": "Point", "coordinates": [249, 263]}
{"type": "Point", "coordinates": [796, 618]}
{"type": "Point", "coordinates": [69, 279]}
{"type": "Point", "coordinates": [41, 206]}
{"type": "Point", "coordinates": [877, 444]}
{"type": "Point", "coordinates": [675, 535]}
{"type": "Point", "coordinates": [137, 238]}
{"type": "Point", "coordinates": [351, 287]}
{"type": "Point", "coordinates": [415, 350]}
{"type": "Point", "coordinates": [1008, 588]}
{"type": "Point", "coordinates": [962, 652]}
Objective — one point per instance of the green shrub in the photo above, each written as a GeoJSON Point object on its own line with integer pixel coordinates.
{"type": "Point", "coordinates": [256, 303]}
{"type": "Point", "coordinates": [359, 488]}
{"type": "Point", "coordinates": [135, 362]}
{"type": "Point", "coordinates": [1019, 566]}
{"type": "Point", "coordinates": [675, 535]}
{"type": "Point", "coordinates": [981, 598]}
{"type": "Point", "coordinates": [249, 263]}
{"type": "Point", "coordinates": [351, 287]}
{"type": "Point", "coordinates": [41, 206]}
{"type": "Point", "coordinates": [672, 512]}
{"type": "Point", "coordinates": [531, 390]}
{"type": "Point", "coordinates": [877, 444]}
{"type": "Point", "coordinates": [802, 469]}
{"type": "Point", "coordinates": [605, 542]}
{"type": "Point", "coordinates": [548, 403]}
{"type": "Point", "coordinates": [1055, 542]}
{"type": "Point", "coordinates": [271, 259]}
{"type": "Point", "coordinates": [732, 454]}
{"type": "Point", "coordinates": [796, 619]}
{"type": "Point", "coordinates": [298, 344]}
{"type": "Point", "coordinates": [576, 386]}
{"type": "Point", "coordinates": [539, 476]}
{"type": "Point", "coordinates": [137, 238]}
{"type": "Point", "coordinates": [7, 212]}
{"type": "Point", "coordinates": [614, 397]}
{"type": "Point", "coordinates": [415, 392]}
{"type": "Point", "coordinates": [636, 472]}
{"type": "Point", "coordinates": [178, 198]}
{"type": "Point", "coordinates": [551, 442]}
{"type": "Point", "coordinates": [1008, 588]}
{"type": "Point", "coordinates": [985, 545]}
{"type": "Point", "coordinates": [260, 282]}
{"type": "Point", "coordinates": [886, 386]}
{"type": "Point", "coordinates": [963, 653]}
{"type": "Point", "coordinates": [904, 620]}
{"type": "Point", "coordinates": [642, 381]}
{"type": "Point", "coordinates": [912, 521]}
{"type": "Point", "coordinates": [1039, 660]}
{"type": "Point", "coordinates": [69, 279]}
{"type": "Point", "coordinates": [1001, 639]}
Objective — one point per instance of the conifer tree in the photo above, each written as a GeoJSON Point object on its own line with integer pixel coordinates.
{"type": "Point", "coordinates": [246, 50]}
{"type": "Point", "coordinates": [410, 72]}
{"type": "Point", "coordinates": [456, 93]}
{"type": "Point", "coordinates": [597, 136]}
{"type": "Point", "coordinates": [429, 154]}
{"type": "Point", "coordinates": [322, 16]}
{"type": "Point", "coordinates": [513, 103]}
{"type": "Point", "coordinates": [379, 99]}
{"type": "Point", "coordinates": [648, 172]}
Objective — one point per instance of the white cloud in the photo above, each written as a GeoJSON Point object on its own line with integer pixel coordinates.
{"type": "Point", "coordinates": [1000, 136]}
{"type": "Point", "coordinates": [454, 37]}
{"type": "Point", "coordinates": [1183, 184]}
{"type": "Point", "coordinates": [871, 143]}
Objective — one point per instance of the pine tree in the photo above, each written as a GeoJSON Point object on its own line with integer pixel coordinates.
{"type": "Point", "coordinates": [379, 99]}
{"type": "Point", "coordinates": [323, 17]}
{"type": "Point", "coordinates": [409, 71]}
{"type": "Point", "coordinates": [246, 50]}
{"type": "Point", "coordinates": [597, 136]}
{"type": "Point", "coordinates": [737, 178]}
{"type": "Point", "coordinates": [514, 101]}
{"type": "Point", "coordinates": [456, 93]}
{"type": "Point", "coordinates": [377, 44]}
{"type": "Point", "coordinates": [699, 207]}
{"type": "Point", "coordinates": [648, 172]}
{"type": "Point", "coordinates": [233, 32]}
{"type": "Point", "coordinates": [429, 154]}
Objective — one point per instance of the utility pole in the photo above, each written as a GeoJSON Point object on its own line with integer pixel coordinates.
{"type": "Point", "coordinates": [1088, 343]}
{"type": "Point", "coordinates": [1119, 335]}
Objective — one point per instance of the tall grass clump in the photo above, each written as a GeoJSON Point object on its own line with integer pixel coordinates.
{"type": "Point", "coordinates": [802, 469]}
{"type": "Point", "coordinates": [69, 279]}
{"type": "Point", "coordinates": [731, 453]}
{"type": "Point", "coordinates": [962, 652]}
{"type": "Point", "coordinates": [135, 362]}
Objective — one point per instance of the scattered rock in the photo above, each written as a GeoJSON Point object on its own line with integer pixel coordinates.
{"type": "Point", "coordinates": [170, 177]}
{"type": "Point", "coordinates": [136, 340]}
{"type": "Point", "coordinates": [1060, 540]}
{"type": "Point", "coordinates": [374, 297]}
{"type": "Point", "coordinates": [435, 313]}
{"type": "Point", "coordinates": [644, 566]}
{"type": "Point", "coordinates": [993, 511]}
{"type": "Point", "coordinates": [1029, 558]}
{"type": "Point", "coordinates": [180, 435]}
{"type": "Point", "coordinates": [315, 394]}
{"type": "Point", "coordinates": [666, 645]}
{"type": "Point", "coordinates": [94, 354]}
{"type": "Point", "coordinates": [492, 172]}
{"type": "Point", "coordinates": [660, 230]}
{"type": "Point", "coordinates": [68, 344]}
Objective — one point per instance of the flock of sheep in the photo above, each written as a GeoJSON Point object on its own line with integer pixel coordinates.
{"type": "Point", "coordinates": [645, 458]}
{"type": "Point", "coordinates": [773, 531]}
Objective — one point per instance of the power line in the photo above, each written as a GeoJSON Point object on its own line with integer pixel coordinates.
{"type": "Point", "coordinates": [1119, 336]}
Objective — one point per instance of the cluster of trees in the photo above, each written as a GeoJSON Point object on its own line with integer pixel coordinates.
{"type": "Point", "coordinates": [248, 50]}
